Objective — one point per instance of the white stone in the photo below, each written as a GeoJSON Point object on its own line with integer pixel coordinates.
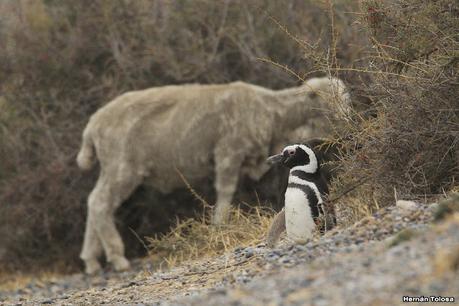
{"type": "Point", "coordinates": [406, 205]}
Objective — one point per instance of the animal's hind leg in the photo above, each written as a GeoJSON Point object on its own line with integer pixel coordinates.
{"type": "Point", "coordinates": [92, 246]}
{"type": "Point", "coordinates": [102, 206]}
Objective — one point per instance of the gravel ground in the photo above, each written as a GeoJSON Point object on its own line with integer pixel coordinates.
{"type": "Point", "coordinates": [394, 253]}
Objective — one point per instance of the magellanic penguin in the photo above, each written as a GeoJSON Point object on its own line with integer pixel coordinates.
{"type": "Point", "coordinates": [304, 197]}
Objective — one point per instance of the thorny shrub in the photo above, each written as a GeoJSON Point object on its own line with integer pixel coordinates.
{"type": "Point", "coordinates": [409, 147]}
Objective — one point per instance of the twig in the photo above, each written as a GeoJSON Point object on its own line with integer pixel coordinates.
{"type": "Point", "coordinates": [140, 239]}
{"type": "Point", "coordinates": [218, 269]}
{"type": "Point", "coordinates": [191, 189]}
{"type": "Point", "coordinates": [285, 67]}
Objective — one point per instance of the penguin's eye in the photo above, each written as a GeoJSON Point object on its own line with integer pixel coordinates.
{"type": "Point", "coordinates": [291, 152]}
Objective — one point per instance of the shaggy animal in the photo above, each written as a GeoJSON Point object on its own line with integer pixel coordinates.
{"type": "Point", "coordinates": [304, 196]}
{"type": "Point", "coordinates": [158, 136]}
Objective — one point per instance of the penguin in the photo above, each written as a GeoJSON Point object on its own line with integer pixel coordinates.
{"type": "Point", "coordinates": [304, 197]}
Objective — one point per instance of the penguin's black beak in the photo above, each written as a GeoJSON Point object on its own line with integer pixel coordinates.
{"type": "Point", "coordinates": [278, 158]}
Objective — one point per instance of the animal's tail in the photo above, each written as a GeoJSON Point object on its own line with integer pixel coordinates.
{"type": "Point", "coordinates": [85, 158]}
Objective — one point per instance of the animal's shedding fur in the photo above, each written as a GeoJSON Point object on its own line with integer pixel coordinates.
{"type": "Point", "coordinates": [147, 136]}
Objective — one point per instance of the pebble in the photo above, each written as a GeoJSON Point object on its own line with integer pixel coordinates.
{"type": "Point", "coordinates": [285, 260]}
{"type": "Point", "coordinates": [47, 302]}
{"type": "Point", "coordinates": [248, 252]}
{"type": "Point", "coordinates": [130, 284]}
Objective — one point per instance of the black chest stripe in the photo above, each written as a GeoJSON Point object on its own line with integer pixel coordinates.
{"type": "Point", "coordinates": [312, 198]}
{"type": "Point", "coordinates": [303, 175]}
{"type": "Point", "coordinates": [315, 178]}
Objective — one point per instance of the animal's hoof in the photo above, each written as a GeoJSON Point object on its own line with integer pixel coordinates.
{"type": "Point", "coordinates": [92, 267]}
{"type": "Point", "coordinates": [219, 222]}
{"type": "Point", "coordinates": [220, 218]}
{"type": "Point", "coordinates": [120, 263]}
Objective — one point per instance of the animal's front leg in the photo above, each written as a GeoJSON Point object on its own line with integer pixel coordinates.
{"type": "Point", "coordinates": [227, 168]}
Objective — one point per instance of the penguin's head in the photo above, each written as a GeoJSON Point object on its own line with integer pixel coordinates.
{"type": "Point", "coordinates": [298, 157]}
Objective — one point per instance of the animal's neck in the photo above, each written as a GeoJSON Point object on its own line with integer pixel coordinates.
{"type": "Point", "coordinates": [296, 106]}
{"type": "Point", "coordinates": [292, 96]}
{"type": "Point", "coordinates": [291, 92]}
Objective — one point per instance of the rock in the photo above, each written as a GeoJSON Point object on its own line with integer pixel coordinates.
{"type": "Point", "coordinates": [130, 284]}
{"type": "Point", "coordinates": [248, 252]}
{"type": "Point", "coordinates": [433, 206]}
{"type": "Point", "coordinates": [47, 301]}
{"type": "Point", "coordinates": [285, 260]}
{"type": "Point", "coordinates": [406, 205]}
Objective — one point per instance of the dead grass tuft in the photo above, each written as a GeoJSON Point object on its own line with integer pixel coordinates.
{"type": "Point", "coordinates": [15, 281]}
{"type": "Point", "coordinates": [195, 238]}
{"type": "Point", "coordinates": [350, 209]}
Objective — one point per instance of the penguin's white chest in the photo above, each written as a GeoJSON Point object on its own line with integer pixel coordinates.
{"type": "Point", "coordinates": [298, 217]}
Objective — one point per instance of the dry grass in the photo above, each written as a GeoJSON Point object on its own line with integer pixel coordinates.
{"type": "Point", "coordinates": [195, 238]}
{"type": "Point", "coordinates": [350, 209]}
{"type": "Point", "coordinates": [14, 281]}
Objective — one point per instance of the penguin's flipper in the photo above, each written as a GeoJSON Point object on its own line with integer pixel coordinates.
{"type": "Point", "coordinates": [276, 229]}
